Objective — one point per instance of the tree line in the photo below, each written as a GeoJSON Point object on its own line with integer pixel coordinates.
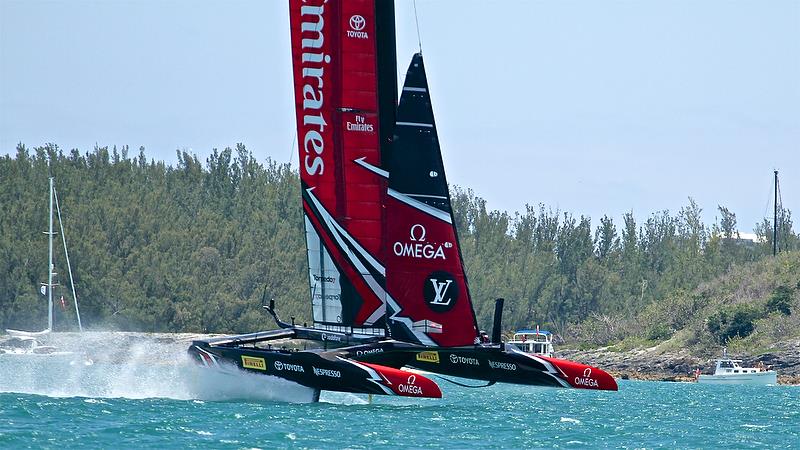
{"type": "Point", "coordinates": [192, 247]}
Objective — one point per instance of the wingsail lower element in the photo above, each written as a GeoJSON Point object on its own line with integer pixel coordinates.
{"type": "Point", "coordinates": [338, 128]}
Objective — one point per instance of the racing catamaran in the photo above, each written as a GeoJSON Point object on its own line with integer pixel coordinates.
{"type": "Point", "coordinates": [386, 276]}
{"type": "Point", "coordinates": [336, 80]}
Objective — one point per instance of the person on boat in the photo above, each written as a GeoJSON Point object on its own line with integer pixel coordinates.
{"type": "Point", "coordinates": [484, 337]}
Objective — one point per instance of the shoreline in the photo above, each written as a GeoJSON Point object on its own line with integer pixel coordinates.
{"type": "Point", "coordinates": [656, 364]}
{"type": "Point", "coordinates": [641, 364]}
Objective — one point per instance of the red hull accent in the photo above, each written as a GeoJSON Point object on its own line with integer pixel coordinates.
{"type": "Point", "coordinates": [406, 383]}
{"type": "Point", "coordinates": [581, 376]}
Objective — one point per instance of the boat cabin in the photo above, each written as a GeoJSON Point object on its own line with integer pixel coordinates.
{"type": "Point", "coordinates": [536, 342]}
{"type": "Point", "coordinates": [732, 366]}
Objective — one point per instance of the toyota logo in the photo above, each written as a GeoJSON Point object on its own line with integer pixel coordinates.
{"type": "Point", "coordinates": [357, 22]}
{"type": "Point", "coordinates": [278, 365]}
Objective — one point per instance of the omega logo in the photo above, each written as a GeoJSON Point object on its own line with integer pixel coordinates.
{"type": "Point", "coordinates": [418, 233]}
{"type": "Point", "coordinates": [417, 247]}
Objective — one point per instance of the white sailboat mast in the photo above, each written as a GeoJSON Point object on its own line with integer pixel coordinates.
{"type": "Point", "coordinates": [50, 264]}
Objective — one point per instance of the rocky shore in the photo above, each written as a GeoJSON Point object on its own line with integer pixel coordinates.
{"type": "Point", "coordinates": [656, 364]}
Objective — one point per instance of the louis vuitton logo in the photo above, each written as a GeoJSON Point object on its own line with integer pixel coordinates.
{"type": "Point", "coordinates": [440, 290]}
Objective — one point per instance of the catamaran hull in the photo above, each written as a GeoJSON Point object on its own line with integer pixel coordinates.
{"type": "Point", "coordinates": [319, 370]}
{"type": "Point", "coordinates": [495, 363]}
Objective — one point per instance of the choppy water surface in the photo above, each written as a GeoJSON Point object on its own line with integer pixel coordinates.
{"type": "Point", "coordinates": [151, 396]}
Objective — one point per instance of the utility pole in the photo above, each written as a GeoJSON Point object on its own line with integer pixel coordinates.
{"type": "Point", "coordinates": [775, 219]}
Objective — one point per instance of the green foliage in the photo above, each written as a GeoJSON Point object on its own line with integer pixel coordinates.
{"type": "Point", "coordinates": [153, 247]}
{"type": "Point", "coordinates": [190, 248]}
{"type": "Point", "coordinates": [780, 300]}
{"type": "Point", "coordinates": [733, 322]}
{"type": "Point", "coordinates": [659, 332]}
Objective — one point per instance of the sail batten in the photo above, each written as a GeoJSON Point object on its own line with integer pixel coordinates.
{"type": "Point", "coordinates": [421, 206]}
{"type": "Point", "coordinates": [415, 124]}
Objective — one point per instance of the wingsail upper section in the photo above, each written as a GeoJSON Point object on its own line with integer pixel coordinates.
{"type": "Point", "coordinates": [334, 53]}
{"type": "Point", "coordinates": [424, 269]}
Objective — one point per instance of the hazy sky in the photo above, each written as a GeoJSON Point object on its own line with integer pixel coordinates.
{"type": "Point", "coordinates": [593, 107]}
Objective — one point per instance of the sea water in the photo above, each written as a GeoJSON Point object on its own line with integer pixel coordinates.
{"type": "Point", "coordinates": [150, 395]}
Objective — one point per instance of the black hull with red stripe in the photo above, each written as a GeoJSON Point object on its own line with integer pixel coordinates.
{"type": "Point", "coordinates": [498, 363]}
{"type": "Point", "coordinates": [320, 370]}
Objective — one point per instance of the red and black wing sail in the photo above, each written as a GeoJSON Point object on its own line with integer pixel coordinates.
{"type": "Point", "coordinates": [336, 99]}
{"type": "Point", "coordinates": [429, 300]}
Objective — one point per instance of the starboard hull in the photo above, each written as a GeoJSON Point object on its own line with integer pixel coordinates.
{"type": "Point", "coordinates": [491, 363]}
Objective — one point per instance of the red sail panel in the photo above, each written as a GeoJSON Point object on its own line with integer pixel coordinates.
{"type": "Point", "coordinates": [425, 275]}
{"type": "Point", "coordinates": [359, 123]}
{"type": "Point", "coordinates": [335, 82]}
{"type": "Point", "coordinates": [315, 61]}
{"type": "Point", "coordinates": [362, 190]}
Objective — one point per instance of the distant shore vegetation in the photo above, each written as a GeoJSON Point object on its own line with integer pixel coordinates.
{"type": "Point", "coordinates": [192, 247]}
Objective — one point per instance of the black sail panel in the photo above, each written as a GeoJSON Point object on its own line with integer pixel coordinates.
{"type": "Point", "coordinates": [416, 167]}
{"type": "Point", "coordinates": [429, 299]}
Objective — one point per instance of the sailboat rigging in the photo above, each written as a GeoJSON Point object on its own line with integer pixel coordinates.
{"type": "Point", "coordinates": [47, 288]}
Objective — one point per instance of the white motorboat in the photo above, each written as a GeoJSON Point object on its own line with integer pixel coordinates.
{"type": "Point", "coordinates": [730, 371]}
{"type": "Point", "coordinates": [534, 341]}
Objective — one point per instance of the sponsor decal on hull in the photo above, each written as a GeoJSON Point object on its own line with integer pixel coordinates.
{"type": "Point", "coordinates": [429, 357]}
{"type": "Point", "coordinates": [577, 375]}
{"type": "Point", "coordinates": [251, 362]}
{"type": "Point", "coordinates": [455, 359]}
{"type": "Point", "coordinates": [367, 352]}
{"type": "Point", "coordinates": [587, 379]}
{"type": "Point", "coordinates": [282, 366]}
{"type": "Point", "coordinates": [502, 365]}
{"type": "Point", "coordinates": [327, 373]}
{"type": "Point", "coordinates": [410, 386]}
